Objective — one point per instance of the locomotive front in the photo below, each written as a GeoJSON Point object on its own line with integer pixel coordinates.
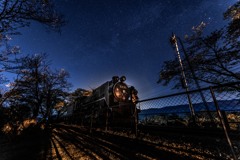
{"type": "Point", "coordinates": [122, 103]}
{"type": "Point", "coordinates": [121, 93]}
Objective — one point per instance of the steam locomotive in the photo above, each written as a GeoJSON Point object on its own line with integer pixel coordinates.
{"type": "Point", "coordinates": [113, 104]}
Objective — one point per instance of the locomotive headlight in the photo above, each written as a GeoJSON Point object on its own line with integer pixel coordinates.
{"type": "Point", "coordinates": [123, 78]}
{"type": "Point", "coordinates": [120, 92]}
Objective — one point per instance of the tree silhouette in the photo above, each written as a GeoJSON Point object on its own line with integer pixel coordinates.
{"type": "Point", "coordinates": [14, 15]}
{"type": "Point", "coordinates": [214, 58]}
{"type": "Point", "coordinates": [55, 87]}
{"type": "Point", "coordinates": [39, 87]}
{"type": "Point", "coordinates": [233, 14]}
{"type": "Point", "coordinates": [19, 13]}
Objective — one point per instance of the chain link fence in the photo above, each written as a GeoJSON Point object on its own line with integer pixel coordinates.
{"type": "Point", "coordinates": [174, 110]}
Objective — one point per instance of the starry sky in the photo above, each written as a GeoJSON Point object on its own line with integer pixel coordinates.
{"type": "Point", "coordinates": [119, 37]}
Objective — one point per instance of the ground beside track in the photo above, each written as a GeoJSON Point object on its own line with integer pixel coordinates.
{"type": "Point", "coordinates": [72, 142]}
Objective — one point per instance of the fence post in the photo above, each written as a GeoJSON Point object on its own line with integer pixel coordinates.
{"type": "Point", "coordinates": [225, 120]}
{"type": "Point", "coordinates": [222, 123]}
{"type": "Point", "coordinates": [91, 122]}
{"type": "Point", "coordinates": [135, 120]}
{"type": "Point", "coordinates": [106, 123]}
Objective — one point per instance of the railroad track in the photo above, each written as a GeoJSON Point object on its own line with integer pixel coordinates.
{"type": "Point", "coordinates": [153, 140]}
{"type": "Point", "coordinates": [117, 146]}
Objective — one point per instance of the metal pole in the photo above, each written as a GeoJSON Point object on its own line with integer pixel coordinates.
{"type": "Point", "coordinates": [174, 42]}
{"type": "Point", "coordinates": [195, 79]}
{"type": "Point", "coordinates": [135, 113]}
{"type": "Point", "coordinates": [91, 123]}
{"type": "Point", "coordinates": [223, 123]}
{"type": "Point", "coordinates": [135, 119]}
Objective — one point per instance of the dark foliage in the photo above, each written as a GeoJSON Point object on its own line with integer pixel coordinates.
{"type": "Point", "coordinates": [37, 86]}
{"type": "Point", "coordinates": [213, 58]}
{"type": "Point", "coordinates": [19, 13]}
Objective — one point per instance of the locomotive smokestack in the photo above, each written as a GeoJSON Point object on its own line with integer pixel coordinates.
{"type": "Point", "coordinates": [115, 79]}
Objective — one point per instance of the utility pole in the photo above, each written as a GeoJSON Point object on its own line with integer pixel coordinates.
{"type": "Point", "coordinates": [173, 41]}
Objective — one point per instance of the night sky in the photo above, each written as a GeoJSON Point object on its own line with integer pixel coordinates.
{"type": "Point", "coordinates": [119, 37]}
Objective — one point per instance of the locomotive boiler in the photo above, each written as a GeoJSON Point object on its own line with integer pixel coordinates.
{"type": "Point", "coordinates": [113, 104]}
